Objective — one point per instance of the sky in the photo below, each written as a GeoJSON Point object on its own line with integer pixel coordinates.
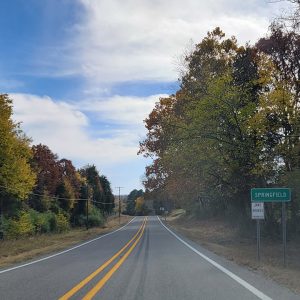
{"type": "Point", "coordinates": [84, 74]}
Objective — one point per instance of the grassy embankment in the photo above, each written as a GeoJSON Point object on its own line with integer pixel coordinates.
{"type": "Point", "coordinates": [15, 251]}
{"type": "Point", "coordinates": [225, 240]}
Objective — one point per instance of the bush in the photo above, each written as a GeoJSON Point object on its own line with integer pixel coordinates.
{"type": "Point", "coordinates": [32, 222]}
{"type": "Point", "coordinates": [10, 228]}
{"type": "Point", "coordinates": [81, 220]}
{"type": "Point", "coordinates": [23, 226]}
{"type": "Point", "coordinates": [95, 217]}
{"type": "Point", "coordinates": [62, 223]}
{"type": "Point", "coordinates": [42, 221]}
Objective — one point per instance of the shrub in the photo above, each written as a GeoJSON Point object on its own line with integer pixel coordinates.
{"type": "Point", "coordinates": [15, 228]}
{"type": "Point", "coordinates": [32, 222]}
{"type": "Point", "coordinates": [10, 228]}
{"type": "Point", "coordinates": [52, 221]}
{"type": "Point", "coordinates": [95, 217]}
{"type": "Point", "coordinates": [81, 220]}
{"type": "Point", "coordinates": [41, 221]}
{"type": "Point", "coordinates": [62, 223]}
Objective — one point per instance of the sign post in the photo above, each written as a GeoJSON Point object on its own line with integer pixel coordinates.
{"type": "Point", "coordinates": [258, 239]}
{"type": "Point", "coordinates": [283, 216]}
{"type": "Point", "coordinates": [258, 213]}
{"type": "Point", "coordinates": [261, 195]}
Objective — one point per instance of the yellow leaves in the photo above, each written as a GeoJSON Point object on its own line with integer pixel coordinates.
{"type": "Point", "coordinates": [267, 72]}
{"type": "Point", "coordinates": [276, 108]}
{"type": "Point", "coordinates": [62, 223]}
{"type": "Point", "coordinates": [139, 204]}
{"type": "Point", "coordinates": [15, 153]}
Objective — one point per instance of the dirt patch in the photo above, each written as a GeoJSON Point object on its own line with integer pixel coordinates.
{"type": "Point", "coordinates": [223, 239]}
{"type": "Point", "coordinates": [14, 251]}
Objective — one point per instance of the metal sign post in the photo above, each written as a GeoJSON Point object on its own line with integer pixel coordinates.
{"type": "Point", "coordinates": [283, 221]}
{"type": "Point", "coordinates": [258, 239]}
{"type": "Point", "coordinates": [261, 195]}
{"type": "Point", "coordinates": [258, 213]}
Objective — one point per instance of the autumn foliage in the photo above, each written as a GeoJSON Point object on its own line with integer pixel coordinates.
{"type": "Point", "coordinates": [39, 192]}
{"type": "Point", "coordinates": [234, 124]}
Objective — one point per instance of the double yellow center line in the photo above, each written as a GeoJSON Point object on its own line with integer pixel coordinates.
{"type": "Point", "coordinates": [133, 242]}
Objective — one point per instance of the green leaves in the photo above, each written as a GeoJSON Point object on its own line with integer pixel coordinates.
{"type": "Point", "coordinates": [16, 175]}
{"type": "Point", "coordinates": [233, 124]}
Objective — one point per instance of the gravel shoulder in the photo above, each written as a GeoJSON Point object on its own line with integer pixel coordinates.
{"type": "Point", "coordinates": [221, 238]}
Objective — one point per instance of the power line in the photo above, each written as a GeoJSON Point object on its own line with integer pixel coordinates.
{"type": "Point", "coordinates": [62, 198]}
{"type": "Point", "coordinates": [119, 187]}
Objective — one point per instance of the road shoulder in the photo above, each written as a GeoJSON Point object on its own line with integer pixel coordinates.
{"type": "Point", "coordinates": [23, 250]}
{"type": "Point", "coordinates": [255, 275]}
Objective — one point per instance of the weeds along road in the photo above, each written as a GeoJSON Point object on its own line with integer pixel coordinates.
{"type": "Point", "coordinates": [143, 260]}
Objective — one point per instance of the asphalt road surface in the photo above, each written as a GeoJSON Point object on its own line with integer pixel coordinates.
{"type": "Point", "coordinates": [142, 260]}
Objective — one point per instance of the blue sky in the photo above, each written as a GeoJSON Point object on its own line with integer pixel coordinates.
{"type": "Point", "coordinates": [84, 74]}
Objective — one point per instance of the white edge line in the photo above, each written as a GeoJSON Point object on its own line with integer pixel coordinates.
{"type": "Point", "coordinates": [242, 282]}
{"type": "Point", "coordinates": [65, 251]}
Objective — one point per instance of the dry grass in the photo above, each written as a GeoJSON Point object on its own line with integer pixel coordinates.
{"type": "Point", "coordinates": [14, 251]}
{"type": "Point", "coordinates": [224, 240]}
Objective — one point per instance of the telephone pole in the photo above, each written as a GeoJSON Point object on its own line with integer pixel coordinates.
{"type": "Point", "coordinates": [119, 187]}
{"type": "Point", "coordinates": [87, 208]}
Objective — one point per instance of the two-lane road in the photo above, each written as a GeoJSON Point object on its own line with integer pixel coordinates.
{"type": "Point", "coordinates": [143, 260]}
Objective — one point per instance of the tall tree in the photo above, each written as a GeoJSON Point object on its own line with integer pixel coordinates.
{"type": "Point", "coordinates": [199, 136]}
{"type": "Point", "coordinates": [131, 201]}
{"type": "Point", "coordinates": [69, 186]}
{"type": "Point", "coordinates": [282, 48]}
{"type": "Point", "coordinates": [92, 176]}
{"type": "Point", "coordinates": [16, 176]}
{"type": "Point", "coordinates": [46, 165]}
{"type": "Point", "coordinates": [108, 197]}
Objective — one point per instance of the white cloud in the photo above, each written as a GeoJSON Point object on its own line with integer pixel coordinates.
{"type": "Point", "coordinates": [121, 110]}
{"type": "Point", "coordinates": [67, 129]}
{"type": "Point", "coordinates": [33, 110]}
{"type": "Point", "coordinates": [138, 40]}
{"type": "Point", "coordinates": [117, 41]}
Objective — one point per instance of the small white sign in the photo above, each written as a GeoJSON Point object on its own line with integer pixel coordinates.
{"type": "Point", "coordinates": [258, 211]}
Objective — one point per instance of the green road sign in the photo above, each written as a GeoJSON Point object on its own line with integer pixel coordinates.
{"type": "Point", "coordinates": [270, 195]}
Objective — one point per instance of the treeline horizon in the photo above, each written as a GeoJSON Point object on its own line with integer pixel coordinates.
{"type": "Point", "coordinates": [40, 192]}
{"type": "Point", "coordinates": [233, 125]}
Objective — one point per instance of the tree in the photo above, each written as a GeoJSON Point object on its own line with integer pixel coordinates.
{"type": "Point", "coordinates": [133, 195]}
{"type": "Point", "coordinates": [46, 165]}
{"type": "Point", "coordinates": [92, 176]}
{"type": "Point", "coordinates": [281, 103]}
{"type": "Point", "coordinates": [140, 207]}
{"type": "Point", "coordinates": [16, 176]}
{"type": "Point", "coordinates": [108, 197]}
{"type": "Point", "coordinates": [69, 185]}
{"type": "Point", "coordinates": [199, 137]}
{"type": "Point", "coordinates": [293, 17]}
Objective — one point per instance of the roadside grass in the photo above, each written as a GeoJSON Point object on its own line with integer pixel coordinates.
{"type": "Point", "coordinates": [221, 238]}
{"type": "Point", "coordinates": [20, 250]}
{"type": "Point", "coordinates": [176, 214]}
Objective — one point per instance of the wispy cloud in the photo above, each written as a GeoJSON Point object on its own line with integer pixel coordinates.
{"type": "Point", "coordinates": [115, 41]}
{"type": "Point", "coordinates": [67, 129]}
{"type": "Point", "coordinates": [121, 110]}
{"type": "Point", "coordinates": [115, 47]}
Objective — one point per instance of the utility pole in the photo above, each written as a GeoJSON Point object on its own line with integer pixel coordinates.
{"type": "Point", "coordinates": [87, 208]}
{"type": "Point", "coordinates": [87, 214]}
{"type": "Point", "coordinates": [119, 187]}
{"type": "Point", "coordinates": [1, 220]}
